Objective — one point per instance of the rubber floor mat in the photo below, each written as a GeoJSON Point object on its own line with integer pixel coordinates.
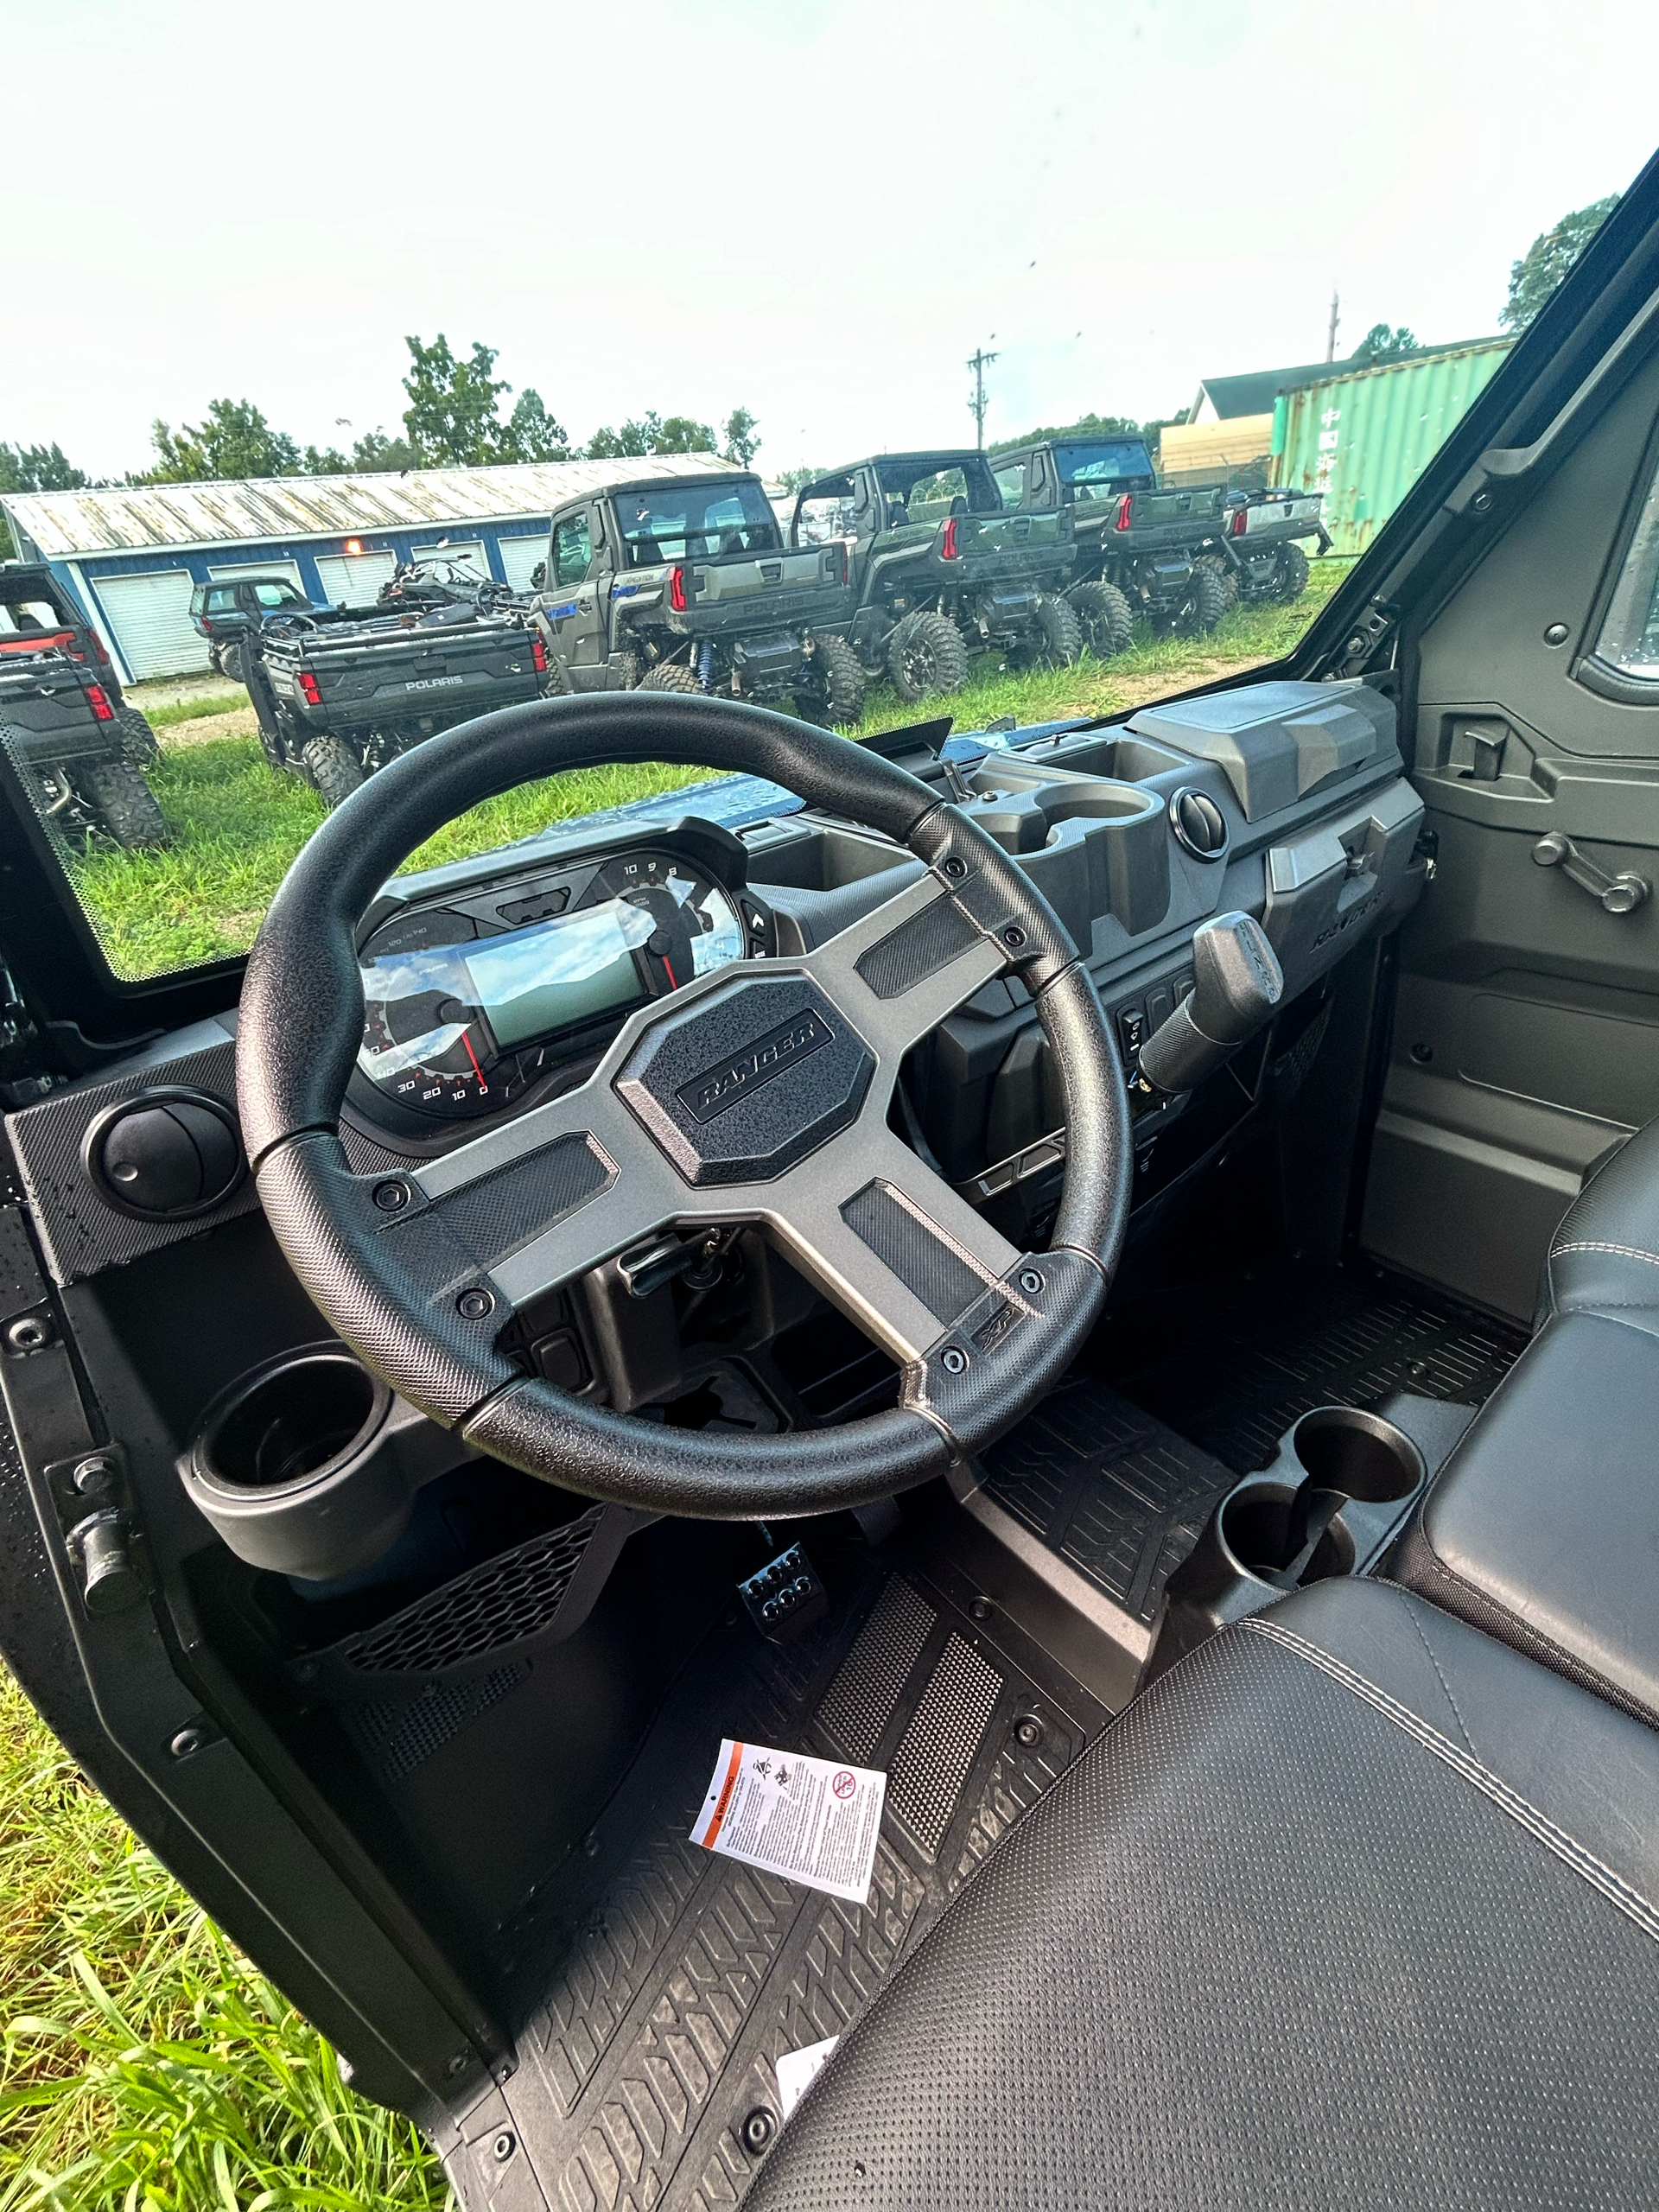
{"type": "Point", "coordinates": [1119, 1496]}
{"type": "Point", "coordinates": [1233, 1365]}
{"type": "Point", "coordinates": [647, 2053]}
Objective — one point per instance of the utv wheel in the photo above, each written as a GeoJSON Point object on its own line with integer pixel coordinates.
{"type": "Point", "coordinates": [927, 656]}
{"type": "Point", "coordinates": [671, 676]}
{"type": "Point", "coordinates": [1290, 579]}
{"type": "Point", "coordinates": [1103, 612]}
{"type": "Point", "coordinates": [1228, 574]}
{"type": "Point", "coordinates": [331, 769]}
{"type": "Point", "coordinates": [137, 738]}
{"type": "Point", "coordinates": [231, 664]}
{"type": "Point", "coordinates": [126, 807]}
{"type": "Point", "coordinates": [1203, 606]}
{"type": "Point", "coordinates": [1062, 634]}
{"type": "Point", "coordinates": [830, 691]}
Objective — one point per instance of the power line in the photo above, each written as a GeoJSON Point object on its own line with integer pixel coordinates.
{"type": "Point", "coordinates": [980, 361]}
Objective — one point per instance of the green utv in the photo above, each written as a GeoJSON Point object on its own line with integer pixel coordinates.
{"type": "Point", "coordinates": [939, 570]}
{"type": "Point", "coordinates": [683, 584]}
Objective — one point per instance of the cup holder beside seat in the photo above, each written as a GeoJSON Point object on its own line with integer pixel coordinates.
{"type": "Point", "coordinates": [1338, 1490]}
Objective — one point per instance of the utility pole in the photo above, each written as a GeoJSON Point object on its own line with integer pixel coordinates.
{"type": "Point", "coordinates": [1331, 335]}
{"type": "Point", "coordinates": [980, 362]}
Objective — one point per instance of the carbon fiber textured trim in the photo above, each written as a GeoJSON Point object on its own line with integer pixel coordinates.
{"type": "Point", "coordinates": [917, 949]}
{"type": "Point", "coordinates": [494, 1216]}
{"type": "Point", "coordinates": [915, 1251]}
{"type": "Point", "coordinates": [689, 1977]}
{"type": "Point", "coordinates": [80, 1233]}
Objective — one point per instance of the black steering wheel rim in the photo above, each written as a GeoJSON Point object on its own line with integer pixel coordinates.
{"type": "Point", "coordinates": [385, 1281]}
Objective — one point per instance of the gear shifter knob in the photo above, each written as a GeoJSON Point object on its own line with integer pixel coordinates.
{"type": "Point", "coordinates": [1237, 982]}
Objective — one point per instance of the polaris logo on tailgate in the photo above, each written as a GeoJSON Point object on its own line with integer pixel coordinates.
{"type": "Point", "coordinates": [431, 682]}
{"type": "Point", "coordinates": [721, 1086]}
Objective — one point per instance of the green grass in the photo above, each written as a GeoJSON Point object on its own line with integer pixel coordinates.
{"type": "Point", "coordinates": [144, 2065]}
{"type": "Point", "coordinates": [193, 710]}
{"type": "Point", "coordinates": [236, 826]}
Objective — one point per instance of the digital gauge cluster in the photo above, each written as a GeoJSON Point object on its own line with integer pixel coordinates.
{"type": "Point", "coordinates": [470, 1002]}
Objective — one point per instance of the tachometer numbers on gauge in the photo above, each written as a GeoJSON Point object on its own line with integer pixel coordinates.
{"type": "Point", "coordinates": [431, 1052]}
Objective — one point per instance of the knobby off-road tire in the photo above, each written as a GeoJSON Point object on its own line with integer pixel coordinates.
{"type": "Point", "coordinates": [1103, 612]}
{"type": "Point", "coordinates": [231, 664]}
{"type": "Point", "coordinates": [1203, 605]}
{"type": "Point", "coordinates": [927, 656]}
{"type": "Point", "coordinates": [1228, 574]}
{"type": "Point", "coordinates": [1290, 581]}
{"type": "Point", "coordinates": [331, 769]}
{"type": "Point", "coordinates": [137, 738]}
{"type": "Point", "coordinates": [1062, 635]}
{"type": "Point", "coordinates": [671, 676]}
{"type": "Point", "coordinates": [830, 691]}
{"type": "Point", "coordinates": [126, 807]}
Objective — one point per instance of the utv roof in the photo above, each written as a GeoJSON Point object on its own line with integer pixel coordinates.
{"type": "Point", "coordinates": [149, 517]}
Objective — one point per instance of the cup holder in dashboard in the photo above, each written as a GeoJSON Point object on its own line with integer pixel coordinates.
{"type": "Point", "coordinates": [307, 1464]}
{"type": "Point", "coordinates": [1095, 802]}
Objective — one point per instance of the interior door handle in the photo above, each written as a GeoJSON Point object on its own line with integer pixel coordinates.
{"type": "Point", "coordinates": [1619, 894]}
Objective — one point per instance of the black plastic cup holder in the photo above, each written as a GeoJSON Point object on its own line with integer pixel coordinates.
{"type": "Point", "coordinates": [1367, 1459]}
{"type": "Point", "coordinates": [1266, 1527]}
{"type": "Point", "coordinates": [307, 1464]}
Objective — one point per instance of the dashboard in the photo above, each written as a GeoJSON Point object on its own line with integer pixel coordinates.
{"type": "Point", "coordinates": [474, 999]}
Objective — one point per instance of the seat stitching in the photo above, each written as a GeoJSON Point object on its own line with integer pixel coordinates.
{"type": "Point", "coordinates": [1567, 1848]}
{"type": "Point", "coordinates": [1410, 1612]}
{"type": "Point", "coordinates": [1624, 1251]}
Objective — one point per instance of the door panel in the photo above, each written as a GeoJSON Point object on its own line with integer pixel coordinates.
{"type": "Point", "coordinates": [1526, 1034]}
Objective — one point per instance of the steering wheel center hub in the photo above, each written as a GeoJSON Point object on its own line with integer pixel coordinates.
{"type": "Point", "coordinates": [748, 1081]}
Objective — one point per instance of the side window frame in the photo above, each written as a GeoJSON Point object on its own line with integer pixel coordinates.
{"type": "Point", "coordinates": [580, 518]}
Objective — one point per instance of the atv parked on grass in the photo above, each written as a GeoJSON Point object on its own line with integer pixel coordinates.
{"type": "Point", "coordinates": [939, 571]}
{"type": "Point", "coordinates": [224, 611]}
{"type": "Point", "coordinates": [684, 584]}
{"type": "Point", "coordinates": [36, 614]}
{"type": "Point", "coordinates": [1141, 548]}
{"type": "Point", "coordinates": [62, 733]}
{"type": "Point", "coordinates": [1260, 556]}
{"type": "Point", "coordinates": [339, 693]}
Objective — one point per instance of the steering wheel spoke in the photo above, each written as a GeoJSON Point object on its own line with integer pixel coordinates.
{"type": "Point", "coordinates": [900, 971]}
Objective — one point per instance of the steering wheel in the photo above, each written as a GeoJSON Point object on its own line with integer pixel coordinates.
{"type": "Point", "coordinates": [757, 1094]}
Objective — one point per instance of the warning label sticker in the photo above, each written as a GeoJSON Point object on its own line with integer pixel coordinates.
{"type": "Point", "coordinates": [814, 1820]}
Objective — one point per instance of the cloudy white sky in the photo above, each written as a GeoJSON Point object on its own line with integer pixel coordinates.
{"type": "Point", "coordinates": [817, 207]}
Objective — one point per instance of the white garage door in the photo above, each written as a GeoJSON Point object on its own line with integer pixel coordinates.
{"type": "Point", "coordinates": [149, 617]}
{"type": "Point", "coordinates": [519, 555]}
{"type": "Point", "coordinates": [354, 579]}
{"type": "Point", "coordinates": [466, 555]}
{"type": "Point", "coordinates": [289, 570]}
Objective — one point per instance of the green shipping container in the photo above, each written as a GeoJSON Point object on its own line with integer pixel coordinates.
{"type": "Point", "coordinates": [1364, 439]}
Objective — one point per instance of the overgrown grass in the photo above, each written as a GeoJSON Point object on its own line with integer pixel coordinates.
{"type": "Point", "coordinates": [144, 2065]}
{"type": "Point", "coordinates": [236, 826]}
{"type": "Point", "coordinates": [194, 710]}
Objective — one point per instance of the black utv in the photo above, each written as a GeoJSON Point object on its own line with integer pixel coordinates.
{"type": "Point", "coordinates": [63, 735]}
{"type": "Point", "coordinates": [37, 614]}
{"type": "Point", "coordinates": [684, 584]}
{"type": "Point", "coordinates": [225, 611]}
{"type": "Point", "coordinates": [939, 571]}
{"type": "Point", "coordinates": [995, 1433]}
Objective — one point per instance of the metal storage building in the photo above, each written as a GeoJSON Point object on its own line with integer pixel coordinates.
{"type": "Point", "coordinates": [1364, 439]}
{"type": "Point", "coordinates": [132, 557]}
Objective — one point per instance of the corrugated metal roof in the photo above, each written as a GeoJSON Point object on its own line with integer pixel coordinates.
{"type": "Point", "coordinates": [1362, 440]}
{"type": "Point", "coordinates": [149, 517]}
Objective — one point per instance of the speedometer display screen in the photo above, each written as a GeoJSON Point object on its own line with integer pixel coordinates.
{"type": "Point", "coordinates": [542, 979]}
{"type": "Point", "coordinates": [462, 1015]}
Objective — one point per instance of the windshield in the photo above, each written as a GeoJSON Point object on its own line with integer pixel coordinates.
{"type": "Point", "coordinates": [449, 412]}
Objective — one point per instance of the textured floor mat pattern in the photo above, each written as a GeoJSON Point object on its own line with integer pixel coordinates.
{"type": "Point", "coordinates": [1117, 1494]}
{"type": "Point", "coordinates": [1255, 1354]}
{"type": "Point", "coordinates": [642, 2069]}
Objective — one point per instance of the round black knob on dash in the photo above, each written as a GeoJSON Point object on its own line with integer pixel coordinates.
{"type": "Point", "coordinates": [165, 1154]}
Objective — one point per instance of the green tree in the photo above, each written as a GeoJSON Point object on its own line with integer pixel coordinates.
{"type": "Point", "coordinates": [793, 479]}
{"type": "Point", "coordinates": [531, 432]}
{"type": "Point", "coordinates": [375, 451]}
{"type": "Point", "coordinates": [742, 438]}
{"type": "Point", "coordinates": [681, 433]}
{"type": "Point", "coordinates": [452, 415]}
{"type": "Point", "coordinates": [1381, 343]}
{"type": "Point", "coordinates": [326, 460]}
{"type": "Point", "coordinates": [1547, 260]}
{"type": "Point", "coordinates": [652, 433]}
{"type": "Point", "coordinates": [233, 441]}
{"type": "Point", "coordinates": [35, 468]}
{"type": "Point", "coordinates": [1087, 426]}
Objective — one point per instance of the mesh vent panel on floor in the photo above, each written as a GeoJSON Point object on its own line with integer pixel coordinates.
{"type": "Point", "coordinates": [857, 1703]}
{"type": "Point", "coordinates": [401, 1736]}
{"type": "Point", "coordinates": [502, 1602]}
{"type": "Point", "coordinates": [940, 1742]}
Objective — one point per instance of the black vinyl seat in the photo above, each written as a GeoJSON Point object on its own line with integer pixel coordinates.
{"type": "Point", "coordinates": [1543, 1526]}
{"type": "Point", "coordinates": [1354, 1908]}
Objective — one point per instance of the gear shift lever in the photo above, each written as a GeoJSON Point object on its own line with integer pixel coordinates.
{"type": "Point", "coordinates": [1237, 982]}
